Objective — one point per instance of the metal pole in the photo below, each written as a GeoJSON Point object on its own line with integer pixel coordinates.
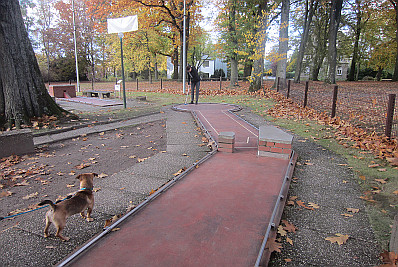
{"type": "Point", "coordinates": [121, 57]}
{"type": "Point", "coordinates": [184, 54]}
{"type": "Point", "coordinates": [74, 38]}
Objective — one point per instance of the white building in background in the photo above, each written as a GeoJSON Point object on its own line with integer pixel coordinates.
{"type": "Point", "coordinates": [206, 70]}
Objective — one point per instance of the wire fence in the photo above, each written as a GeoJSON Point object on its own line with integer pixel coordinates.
{"type": "Point", "coordinates": [362, 104]}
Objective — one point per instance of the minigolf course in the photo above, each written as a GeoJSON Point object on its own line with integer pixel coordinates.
{"type": "Point", "coordinates": [221, 212]}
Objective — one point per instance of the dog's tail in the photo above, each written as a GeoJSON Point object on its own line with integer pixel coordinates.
{"type": "Point", "coordinates": [49, 202]}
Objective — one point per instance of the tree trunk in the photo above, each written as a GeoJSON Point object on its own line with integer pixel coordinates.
{"type": "Point", "coordinates": [335, 15]}
{"type": "Point", "coordinates": [355, 54]}
{"type": "Point", "coordinates": [234, 43]}
{"type": "Point", "coordinates": [309, 13]}
{"type": "Point", "coordinates": [379, 73]}
{"type": "Point", "coordinates": [175, 64]}
{"type": "Point", "coordinates": [247, 68]}
{"type": "Point", "coordinates": [395, 75]}
{"type": "Point", "coordinates": [258, 62]}
{"type": "Point", "coordinates": [23, 94]}
{"type": "Point", "coordinates": [283, 44]}
{"type": "Point", "coordinates": [321, 28]}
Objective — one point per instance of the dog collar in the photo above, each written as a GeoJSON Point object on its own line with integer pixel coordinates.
{"type": "Point", "coordinates": [84, 188]}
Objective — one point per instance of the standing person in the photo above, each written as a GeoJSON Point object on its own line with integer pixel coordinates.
{"type": "Point", "coordinates": [194, 80]}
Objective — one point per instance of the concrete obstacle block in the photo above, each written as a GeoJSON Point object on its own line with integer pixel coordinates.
{"type": "Point", "coordinates": [226, 142]}
{"type": "Point", "coordinates": [273, 142]}
{"type": "Point", "coordinates": [16, 142]}
{"type": "Point", "coordinates": [62, 91]}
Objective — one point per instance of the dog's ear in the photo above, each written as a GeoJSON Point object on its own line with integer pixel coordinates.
{"type": "Point", "coordinates": [95, 174]}
{"type": "Point", "coordinates": [79, 176]}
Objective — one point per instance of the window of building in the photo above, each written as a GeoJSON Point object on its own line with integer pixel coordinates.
{"type": "Point", "coordinates": [339, 71]}
{"type": "Point", "coordinates": [206, 64]}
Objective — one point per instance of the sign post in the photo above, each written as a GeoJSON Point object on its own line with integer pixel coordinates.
{"type": "Point", "coordinates": [119, 26]}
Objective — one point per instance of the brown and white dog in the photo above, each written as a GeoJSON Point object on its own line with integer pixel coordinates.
{"type": "Point", "coordinates": [82, 200]}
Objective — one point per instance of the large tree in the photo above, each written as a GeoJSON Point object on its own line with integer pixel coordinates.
{"type": "Point", "coordinates": [22, 91]}
{"type": "Point", "coordinates": [335, 16]}
{"type": "Point", "coordinates": [394, 3]}
{"type": "Point", "coordinates": [283, 43]}
{"type": "Point", "coordinates": [310, 8]}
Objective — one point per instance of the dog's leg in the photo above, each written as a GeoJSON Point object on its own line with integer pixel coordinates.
{"type": "Point", "coordinates": [88, 217]}
{"type": "Point", "coordinates": [48, 222]}
{"type": "Point", "coordinates": [60, 225]}
{"type": "Point", "coordinates": [58, 234]}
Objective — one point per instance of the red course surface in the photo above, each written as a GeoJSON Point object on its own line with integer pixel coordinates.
{"type": "Point", "coordinates": [217, 215]}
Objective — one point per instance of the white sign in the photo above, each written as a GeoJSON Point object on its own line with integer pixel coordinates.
{"type": "Point", "coordinates": [126, 24]}
{"type": "Point", "coordinates": [117, 87]}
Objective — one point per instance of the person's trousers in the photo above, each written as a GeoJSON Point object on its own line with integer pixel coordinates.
{"type": "Point", "coordinates": [193, 86]}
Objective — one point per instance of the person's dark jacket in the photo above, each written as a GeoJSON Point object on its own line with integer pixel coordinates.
{"type": "Point", "coordinates": [193, 76]}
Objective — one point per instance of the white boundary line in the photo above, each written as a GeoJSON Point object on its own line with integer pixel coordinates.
{"type": "Point", "coordinates": [207, 121]}
{"type": "Point", "coordinates": [229, 115]}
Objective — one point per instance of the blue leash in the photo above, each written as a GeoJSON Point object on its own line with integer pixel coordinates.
{"type": "Point", "coordinates": [14, 215]}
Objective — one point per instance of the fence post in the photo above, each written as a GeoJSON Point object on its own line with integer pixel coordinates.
{"type": "Point", "coordinates": [137, 84]}
{"type": "Point", "coordinates": [277, 83]}
{"type": "Point", "coordinates": [288, 88]}
{"type": "Point", "coordinates": [390, 114]}
{"type": "Point", "coordinates": [306, 93]}
{"type": "Point", "coordinates": [161, 84]}
{"type": "Point", "coordinates": [220, 82]}
{"type": "Point", "coordinates": [334, 102]}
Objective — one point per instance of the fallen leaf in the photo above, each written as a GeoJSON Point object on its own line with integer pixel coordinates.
{"type": "Point", "coordinates": [339, 239]}
{"type": "Point", "coordinates": [313, 205]}
{"type": "Point", "coordinates": [102, 175]}
{"type": "Point", "coordinates": [288, 240]}
{"type": "Point", "coordinates": [82, 166]}
{"type": "Point", "coordinates": [393, 161]}
{"type": "Point", "coordinates": [395, 192]}
{"type": "Point", "coordinates": [382, 170]}
{"type": "Point", "coordinates": [352, 210]}
{"type": "Point", "coordinates": [289, 226]}
{"type": "Point", "coordinates": [273, 245]}
{"type": "Point", "coordinates": [23, 183]}
{"type": "Point", "coordinates": [179, 172]}
{"type": "Point", "coordinates": [115, 229]}
{"type": "Point", "coordinates": [382, 181]}
{"type": "Point", "coordinates": [281, 231]}
{"type": "Point", "coordinates": [288, 260]}
{"type": "Point", "coordinates": [301, 204]}
{"type": "Point", "coordinates": [5, 193]}
{"type": "Point", "coordinates": [390, 258]}
{"type": "Point", "coordinates": [50, 247]}
{"type": "Point", "coordinates": [70, 185]}
{"type": "Point", "coordinates": [30, 195]}
{"type": "Point", "coordinates": [347, 215]}
{"type": "Point", "coordinates": [373, 165]}
{"type": "Point", "coordinates": [141, 160]}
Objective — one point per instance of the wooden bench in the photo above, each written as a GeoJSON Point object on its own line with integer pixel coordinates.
{"type": "Point", "coordinates": [100, 94]}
